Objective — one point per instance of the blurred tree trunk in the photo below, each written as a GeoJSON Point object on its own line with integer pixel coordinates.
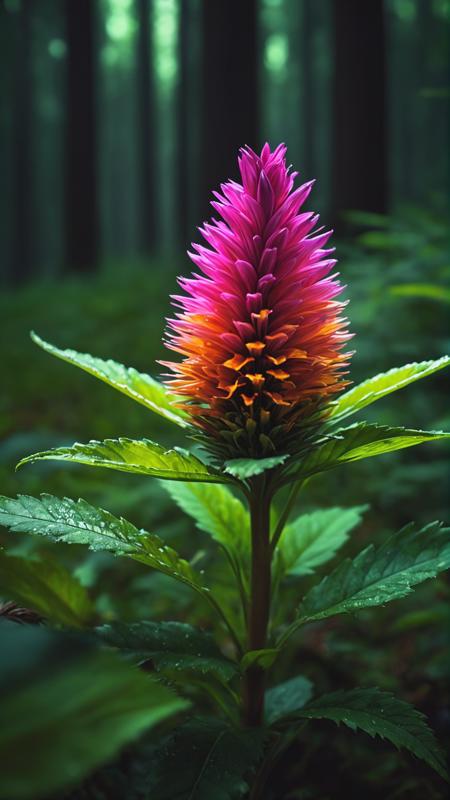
{"type": "Point", "coordinates": [146, 129]}
{"type": "Point", "coordinates": [360, 150]}
{"type": "Point", "coordinates": [230, 89]}
{"type": "Point", "coordinates": [182, 195]}
{"type": "Point", "coordinates": [81, 207]}
{"type": "Point", "coordinates": [22, 242]}
{"type": "Point", "coordinates": [307, 71]}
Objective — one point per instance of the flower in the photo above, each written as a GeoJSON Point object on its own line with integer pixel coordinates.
{"type": "Point", "coordinates": [260, 329]}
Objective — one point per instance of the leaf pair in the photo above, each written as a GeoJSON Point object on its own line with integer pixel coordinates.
{"type": "Point", "coordinates": [145, 457]}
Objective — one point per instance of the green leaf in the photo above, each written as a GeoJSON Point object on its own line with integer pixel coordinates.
{"type": "Point", "coordinates": [428, 291]}
{"type": "Point", "coordinates": [77, 522]}
{"type": "Point", "coordinates": [66, 708]}
{"type": "Point", "coordinates": [380, 714]}
{"type": "Point", "coordinates": [217, 512]}
{"type": "Point", "coordinates": [143, 457]}
{"type": "Point", "coordinates": [259, 658]}
{"type": "Point", "coordinates": [204, 760]}
{"type": "Point", "coordinates": [46, 587]}
{"type": "Point", "coordinates": [140, 387]}
{"type": "Point", "coordinates": [380, 574]}
{"type": "Point", "coordinates": [287, 698]}
{"type": "Point", "coordinates": [380, 385]}
{"type": "Point", "coordinates": [248, 467]}
{"type": "Point", "coordinates": [312, 539]}
{"type": "Point", "coordinates": [360, 440]}
{"type": "Point", "coordinates": [170, 646]}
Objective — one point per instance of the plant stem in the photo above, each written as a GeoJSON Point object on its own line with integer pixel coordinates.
{"type": "Point", "coordinates": [285, 514]}
{"type": "Point", "coordinates": [258, 618]}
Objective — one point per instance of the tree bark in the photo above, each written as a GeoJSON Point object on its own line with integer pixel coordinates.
{"type": "Point", "coordinates": [229, 91]}
{"type": "Point", "coordinates": [146, 130]}
{"type": "Point", "coordinates": [360, 153]}
{"type": "Point", "coordinates": [22, 240]}
{"type": "Point", "coordinates": [81, 203]}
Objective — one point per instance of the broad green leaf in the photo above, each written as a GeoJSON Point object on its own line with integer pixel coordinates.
{"type": "Point", "coordinates": [360, 440]}
{"type": "Point", "coordinates": [380, 574]}
{"type": "Point", "coordinates": [217, 512]}
{"type": "Point", "coordinates": [380, 385]}
{"type": "Point", "coordinates": [380, 714]}
{"type": "Point", "coordinates": [66, 708]}
{"type": "Point", "coordinates": [204, 760]}
{"type": "Point", "coordinates": [248, 467]}
{"type": "Point", "coordinates": [46, 587]}
{"type": "Point", "coordinates": [169, 646]}
{"type": "Point", "coordinates": [137, 385]}
{"type": "Point", "coordinates": [77, 522]}
{"type": "Point", "coordinates": [259, 658]}
{"type": "Point", "coordinates": [312, 539]}
{"type": "Point", "coordinates": [143, 457]}
{"type": "Point", "coordinates": [287, 698]}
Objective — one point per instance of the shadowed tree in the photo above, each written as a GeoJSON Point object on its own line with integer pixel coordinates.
{"type": "Point", "coordinates": [146, 128]}
{"type": "Point", "coordinates": [182, 194]}
{"type": "Point", "coordinates": [81, 206]}
{"type": "Point", "coordinates": [22, 239]}
{"type": "Point", "coordinates": [307, 71]}
{"type": "Point", "coordinates": [360, 151]}
{"type": "Point", "coordinates": [230, 88]}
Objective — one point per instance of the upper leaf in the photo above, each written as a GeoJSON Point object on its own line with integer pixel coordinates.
{"type": "Point", "coordinates": [67, 708]}
{"type": "Point", "coordinates": [248, 467]}
{"type": "Point", "coordinates": [217, 512]}
{"type": "Point", "coordinates": [380, 714]}
{"type": "Point", "coordinates": [169, 646]}
{"type": "Point", "coordinates": [360, 440]}
{"type": "Point", "coordinates": [140, 387]}
{"type": "Point", "coordinates": [80, 523]}
{"type": "Point", "coordinates": [46, 587]}
{"type": "Point", "coordinates": [380, 385]}
{"type": "Point", "coordinates": [312, 539]}
{"type": "Point", "coordinates": [204, 759]}
{"type": "Point", "coordinates": [380, 574]}
{"type": "Point", "coordinates": [140, 456]}
{"type": "Point", "coordinates": [287, 698]}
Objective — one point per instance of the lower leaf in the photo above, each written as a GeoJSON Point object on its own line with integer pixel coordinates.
{"type": "Point", "coordinates": [380, 714]}
{"type": "Point", "coordinates": [205, 759]}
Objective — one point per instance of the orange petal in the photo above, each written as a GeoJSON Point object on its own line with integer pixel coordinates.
{"type": "Point", "coordinates": [237, 362]}
{"type": "Point", "coordinates": [255, 347]}
{"type": "Point", "coordinates": [279, 374]}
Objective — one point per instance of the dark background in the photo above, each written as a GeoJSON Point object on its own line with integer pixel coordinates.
{"type": "Point", "coordinates": [117, 119]}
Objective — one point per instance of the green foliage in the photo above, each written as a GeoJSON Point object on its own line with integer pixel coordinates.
{"type": "Point", "coordinates": [285, 699]}
{"type": "Point", "coordinates": [428, 291]}
{"type": "Point", "coordinates": [260, 658]}
{"type": "Point", "coordinates": [169, 646]}
{"type": "Point", "coordinates": [380, 714]}
{"type": "Point", "coordinates": [139, 456]}
{"type": "Point", "coordinates": [136, 385]}
{"type": "Point", "coordinates": [204, 759]}
{"type": "Point", "coordinates": [47, 587]}
{"type": "Point", "coordinates": [64, 520]}
{"type": "Point", "coordinates": [217, 512]}
{"type": "Point", "coordinates": [66, 708]}
{"type": "Point", "coordinates": [312, 539]}
{"type": "Point", "coordinates": [381, 385]}
{"type": "Point", "coordinates": [243, 468]}
{"type": "Point", "coordinates": [380, 574]}
{"type": "Point", "coordinates": [360, 440]}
